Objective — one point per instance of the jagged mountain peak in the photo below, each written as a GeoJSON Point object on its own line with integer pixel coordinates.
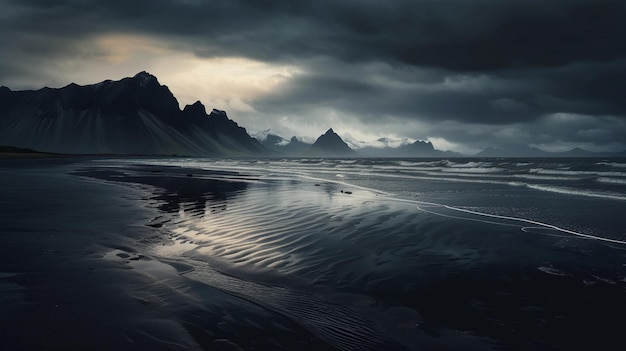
{"type": "Point", "coordinates": [133, 115]}
{"type": "Point", "coordinates": [218, 115]}
{"type": "Point", "coordinates": [303, 139]}
{"type": "Point", "coordinates": [265, 134]}
{"type": "Point", "coordinates": [331, 143]}
{"type": "Point", "coordinates": [146, 79]}
{"type": "Point", "coordinates": [330, 135]}
{"type": "Point", "coordinates": [421, 143]}
{"type": "Point", "coordinates": [195, 108]}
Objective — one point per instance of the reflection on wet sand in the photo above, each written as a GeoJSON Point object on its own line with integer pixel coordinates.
{"type": "Point", "coordinates": [177, 189]}
{"type": "Point", "coordinates": [364, 271]}
{"type": "Point", "coordinates": [255, 239]}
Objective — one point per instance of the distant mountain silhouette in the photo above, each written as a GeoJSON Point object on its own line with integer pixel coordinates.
{"type": "Point", "coordinates": [272, 141]}
{"type": "Point", "coordinates": [383, 147]}
{"type": "Point", "coordinates": [297, 146]}
{"type": "Point", "coordinates": [520, 151]}
{"type": "Point", "coordinates": [415, 149]}
{"type": "Point", "coordinates": [527, 151]}
{"type": "Point", "coordinates": [134, 115]}
{"type": "Point", "coordinates": [138, 115]}
{"type": "Point", "coordinates": [330, 144]}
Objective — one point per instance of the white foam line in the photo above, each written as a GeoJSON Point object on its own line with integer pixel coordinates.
{"type": "Point", "coordinates": [464, 218]}
{"type": "Point", "coordinates": [545, 225]}
{"type": "Point", "coordinates": [540, 224]}
{"type": "Point", "coordinates": [568, 191]}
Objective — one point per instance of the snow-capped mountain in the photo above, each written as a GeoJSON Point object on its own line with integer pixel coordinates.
{"type": "Point", "coordinates": [272, 141]}
{"type": "Point", "coordinates": [383, 147]}
{"type": "Point", "coordinates": [379, 143]}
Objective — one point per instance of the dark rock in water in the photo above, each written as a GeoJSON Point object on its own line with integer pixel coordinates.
{"type": "Point", "coordinates": [135, 115]}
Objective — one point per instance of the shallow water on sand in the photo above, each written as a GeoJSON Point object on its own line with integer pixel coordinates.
{"type": "Point", "coordinates": [400, 254]}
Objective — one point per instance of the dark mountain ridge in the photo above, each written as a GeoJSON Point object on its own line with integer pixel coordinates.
{"type": "Point", "coordinates": [138, 115]}
{"type": "Point", "coordinates": [135, 115]}
{"type": "Point", "coordinates": [275, 142]}
{"type": "Point", "coordinates": [416, 149]}
{"type": "Point", "coordinates": [330, 144]}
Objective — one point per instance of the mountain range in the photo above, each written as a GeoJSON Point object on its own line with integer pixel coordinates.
{"type": "Point", "coordinates": [529, 151]}
{"type": "Point", "coordinates": [134, 115]}
{"type": "Point", "coordinates": [331, 143]}
{"type": "Point", "coordinates": [137, 115]}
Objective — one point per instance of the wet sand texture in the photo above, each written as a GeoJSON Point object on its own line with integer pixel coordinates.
{"type": "Point", "coordinates": [118, 254]}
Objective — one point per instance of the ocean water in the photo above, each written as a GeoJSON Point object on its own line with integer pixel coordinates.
{"type": "Point", "coordinates": [587, 195]}
{"type": "Point", "coordinates": [399, 254]}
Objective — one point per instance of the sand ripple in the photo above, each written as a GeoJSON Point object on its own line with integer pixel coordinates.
{"type": "Point", "coordinates": [294, 245]}
{"type": "Point", "coordinates": [308, 233]}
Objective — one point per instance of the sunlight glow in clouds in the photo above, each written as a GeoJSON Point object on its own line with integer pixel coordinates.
{"type": "Point", "coordinates": [223, 83]}
{"type": "Point", "coordinates": [476, 74]}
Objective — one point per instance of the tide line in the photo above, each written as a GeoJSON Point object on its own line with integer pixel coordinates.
{"type": "Point", "coordinates": [540, 224]}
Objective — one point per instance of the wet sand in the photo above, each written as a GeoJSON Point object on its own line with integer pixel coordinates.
{"type": "Point", "coordinates": [75, 274]}
{"type": "Point", "coordinates": [127, 254]}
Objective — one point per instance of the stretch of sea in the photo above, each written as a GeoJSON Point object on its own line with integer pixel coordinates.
{"type": "Point", "coordinates": [373, 254]}
{"type": "Point", "coordinates": [581, 195]}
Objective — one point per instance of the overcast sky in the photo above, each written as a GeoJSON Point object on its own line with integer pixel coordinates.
{"type": "Point", "coordinates": [464, 74]}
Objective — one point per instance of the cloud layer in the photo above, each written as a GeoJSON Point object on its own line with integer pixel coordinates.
{"type": "Point", "coordinates": [470, 73]}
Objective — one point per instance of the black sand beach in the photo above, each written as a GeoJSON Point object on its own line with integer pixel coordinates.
{"type": "Point", "coordinates": [137, 254]}
{"type": "Point", "coordinates": [74, 274]}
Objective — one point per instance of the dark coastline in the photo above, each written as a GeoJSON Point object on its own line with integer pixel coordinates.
{"type": "Point", "coordinates": [74, 276]}
{"type": "Point", "coordinates": [79, 269]}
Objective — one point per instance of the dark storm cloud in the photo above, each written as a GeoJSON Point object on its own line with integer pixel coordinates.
{"type": "Point", "coordinates": [486, 62]}
{"type": "Point", "coordinates": [456, 35]}
{"type": "Point", "coordinates": [494, 98]}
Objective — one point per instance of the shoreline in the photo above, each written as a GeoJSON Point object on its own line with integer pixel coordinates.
{"type": "Point", "coordinates": [55, 230]}
{"type": "Point", "coordinates": [76, 271]}
{"type": "Point", "coordinates": [150, 255]}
